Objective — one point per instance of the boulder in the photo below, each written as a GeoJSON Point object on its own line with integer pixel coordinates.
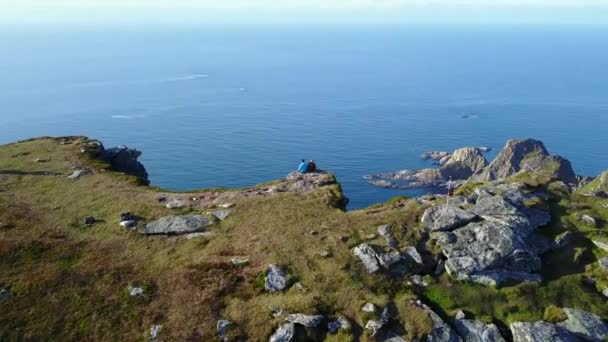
{"type": "Point", "coordinates": [176, 225]}
{"type": "Point", "coordinates": [128, 223]}
{"type": "Point", "coordinates": [77, 173]}
{"type": "Point", "coordinates": [585, 324]}
{"type": "Point", "coordinates": [540, 331]}
{"type": "Point", "coordinates": [375, 326]}
{"type": "Point", "coordinates": [309, 321]}
{"type": "Point", "coordinates": [385, 231]}
{"type": "Point", "coordinates": [446, 217]}
{"type": "Point", "coordinates": [222, 327]}
{"type": "Point", "coordinates": [276, 279]}
{"type": "Point", "coordinates": [340, 323]}
{"type": "Point", "coordinates": [368, 256]}
{"type": "Point", "coordinates": [471, 157]}
{"type": "Point", "coordinates": [441, 331]}
{"type": "Point", "coordinates": [411, 254]}
{"type": "Point", "coordinates": [221, 214]}
{"type": "Point", "coordinates": [285, 333]}
{"type": "Point", "coordinates": [476, 331]}
{"type": "Point", "coordinates": [527, 155]}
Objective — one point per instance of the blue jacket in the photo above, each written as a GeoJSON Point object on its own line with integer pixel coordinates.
{"type": "Point", "coordinates": [303, 167]}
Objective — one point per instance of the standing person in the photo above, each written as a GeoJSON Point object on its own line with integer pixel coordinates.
{"type": "Point", "coordinates": [450, 190]}
{"type": "Point", "coordinates": [303, 167]}
{"type": "Point", "coordinates": [312, 167]}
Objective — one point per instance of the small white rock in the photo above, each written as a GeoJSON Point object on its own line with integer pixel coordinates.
{"type": "Point", "coordinates": [368, 307]}
{"type": "Point", "coordinates": [174, 204]}
{"type": "Point", "coordinates": [128, 223]}
{"type": "Point", "coordinates": [135, 291]}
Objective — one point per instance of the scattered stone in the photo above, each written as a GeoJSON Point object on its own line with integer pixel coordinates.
{"type": "Point", "coordinates": [128, 224]}
{"type": "Point", "coordinates": [40, 160]}
{"type": "Point", "coordinates": [221, 214]}
{"type": "Point", "coordinates": [155, 332]}
{"type": "Point", "coordinates": [89, 220]}
{"type": "Point", "coordinates": [127, 217]}
{"type": "Point", "coordinates": [446, 217]}
{"type": "Point", "coordinates": [199, 235]}
{"type": "Point", "coordinates": [601, 244]}
{"type": "Point", "coordinates": [226, 205]}
{"type": "Point", "coordinates": [222, 327]}
{"type": "Point", "coordinates": [309, 321]}
{"type": "Point", "coordinates": [603, 262]}
{"type": "Point", "coordinates": [299, 287]}
{"type": "Point", "coordinates": [325, 254]}
{"type": "Point", "coordinates": [369, 308]}
{"type": "Point", "coordinates": [284, 333]}
{"type": "Point", "coordinates": [239, 262]}
{"type": "Point", "coordinates": [412, 254]}
{"type": "Point", "coordinates": [585, 324]}
{"type": "Point", "coordinates": [368, 256]}
{"type": "Point", "coordinates": [588, 220]}
{"type": "Point", "coordinates": [374, 326]}
{"type": "Point", "coordinates": [418, 280]}
{"type": "Point", "coordinates": [277, 312]}
{"type": "Point", "coordinates": [605, 292]}
{"type": "Point", "coordinates": [340, 323]}
{"type": "Point", "coordinates": [371, 236]}
{"type": "Point", "coordinates": [344, 238]}
{"type": "Point", "coordinates": [476, 331]}
{"type": "Point", "coordinates": [135, 291]}
{"type": "Point", "coordinates": [276, 279]}
{"type": "Point", "coordinates": [176, 225]}
{"type": "Point", "coordinates": [440, 331]}
{"type": "Point", "coordinates": [76, 174]}
{"type": "Point", "coordinates": [174, 204]}
{"type": "Point", "coordinates": [540, 331]}
{"type": "Point", "coordinates": [385, 231]}
{"type": "Point", "coordinates": [5, 295]}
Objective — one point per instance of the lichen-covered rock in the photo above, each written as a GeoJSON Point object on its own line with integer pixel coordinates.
{"type": "Point", "coordinates": [441, 331]}
{"type": "Point", "coordinates": [476, 331]}
{"type": "Point", "coordinates": [446, 217]}
{"type": "Point", "coordinates": [585, 324]}
{"type": "Point", "coordinates": [176, 225]}
{"type": "Point", "coordinates": [285, 333]}
{"type": "Point", "coordinates": [368, 307]}
{"type": "Point", "coordinates": [540, 331]}
{"type": "Point", "coordinates": [309, 321]}
{"type": "Point", "coordinates": [276, 279]}
{"type": "Point", "coordinates": [374, 258]}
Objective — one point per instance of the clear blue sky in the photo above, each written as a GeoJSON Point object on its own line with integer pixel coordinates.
{"type": "Point", "coordinates": [180, 11]}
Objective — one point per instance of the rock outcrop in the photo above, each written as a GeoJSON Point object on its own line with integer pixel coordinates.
{"type": "Point", "coordinates": [285, 333]}
{"type": "Point", "coordinates": [375, 258]}
{"type": "Point", "coordinates": [122, 159]}
{"type": "Point", "coordinates": [476, 331]}
{"type": "Point", "coordinates": [440, 331]}
{"type": "Point", "coordinates": [466, 163]}
{"type": "Point", "coordinates": [501, 247]}
{"type": "Point", "coordinates": [540, 331]}
{"type": "Point", "coordinates": [176, 225]}
{"type": "Point", "coordinates": [585, 324]}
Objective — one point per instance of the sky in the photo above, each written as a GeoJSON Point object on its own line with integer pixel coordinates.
{"type": "Point", "coordinates": [165, 11]}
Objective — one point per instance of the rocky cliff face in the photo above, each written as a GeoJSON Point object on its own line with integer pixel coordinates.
{"type": "Point", "coordinates": [526, 155]}
{"type": "Point", "coordinates": [122, 159]}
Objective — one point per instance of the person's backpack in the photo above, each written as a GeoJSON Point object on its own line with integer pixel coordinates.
{"type": "Point", "coordinates": [312, 167]}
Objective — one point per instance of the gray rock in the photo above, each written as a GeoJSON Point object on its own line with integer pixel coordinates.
{"type": "Point", "coordinates": [418, 280]}
{"type": "Point", "coordinates": [392, 243]}
{"type": "Point", "coordinates": [585, 324]}
{"type": "Point", "coordinates": [588, 220]}
{"type": "Point", "coordinates": [470, 157]}
{"type": "Point", "coordinates": [309, 321]}
{"type": "Point", "coordinates": [276, 279]}
{"type": "Point", "coordinates": [526, 155]}
{"type": "Point", "coordinates": [441, 331]}
{"type": "Point", "coordinates": [411, 253]}
{"type": "Point", "coordinates": [435, 155]}
{"type": "Point", "coordinates": [368, 256]}
{"type": "Point", "coordinates": [76, 174]}
{"type": "Point", "coordinates": [498, 278]}
{"type": "Point", "coordinates": [340, 323]}
{"type": "Point", "coordinates": [385, 230]}
{"type": "Point", "coordinates": [325, 254]}
{"type": "Point", "coordinates": [5, 295]}
{"type": "Point", "coordinates": [155, 332]}
{"type": "Point", "coordinates": [540, 331]}
{"type": "Point", "coordinates": [601, 244]}
{"type": "Point", "coordinates": [176, 225]}
{"type": "Point", "coordinates": [603, 262]}
{"type": "Point", "coordinates": [477, 331]}
{"type": "Point", "coordinates": [199, 235]}
{"type": "Point", "coordinates": [375, 326]}
{"type": "Point", "coordinates": [369, 308]}
{"type": "Point", "coordinates": [444, 218]}
{"type": "Point", "coordinates": [221, 214]}
{"type": "Point", "coordinates": [135, 291]}
{"type": "Point", "coordinates": [222, 327]}
{"type": "Point", "coordinates": [226, 205]}
{"type": "Point", "coordinates": [285, 333]}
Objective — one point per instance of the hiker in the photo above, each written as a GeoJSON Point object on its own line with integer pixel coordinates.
{"type": "Point", "coordinates": [303, 168]}
{"type": "Point", "coordinates": [450, 188]}
{"type": "Point", "coordinates": [312, 167]}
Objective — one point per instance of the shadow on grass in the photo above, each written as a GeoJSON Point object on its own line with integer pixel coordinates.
{"type": "Point", "coordinates": [28, 173]}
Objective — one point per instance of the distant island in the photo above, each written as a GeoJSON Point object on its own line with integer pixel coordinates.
{"type": "Point", "coordinates": [91, 251]}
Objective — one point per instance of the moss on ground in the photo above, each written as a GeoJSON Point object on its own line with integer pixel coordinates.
{"type": "Point", "coordinates": [70, 280]}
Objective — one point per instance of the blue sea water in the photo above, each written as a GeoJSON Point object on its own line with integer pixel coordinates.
{"type": "Point", "coordinates": [235, 106]}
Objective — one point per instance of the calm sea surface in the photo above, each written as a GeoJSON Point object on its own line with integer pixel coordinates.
{"type": "Point", "coordinates": [232, 107]}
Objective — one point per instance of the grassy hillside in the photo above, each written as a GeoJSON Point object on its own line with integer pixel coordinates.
{"type": "Point", "coordinates": [69, 281]}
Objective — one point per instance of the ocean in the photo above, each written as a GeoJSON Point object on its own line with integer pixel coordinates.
{"type": "Point", "coordinates": [232, 106]}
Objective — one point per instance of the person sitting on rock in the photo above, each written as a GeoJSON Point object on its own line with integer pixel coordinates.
{"type": "Point", "coordinates": [303, 168]}
{"type": "Point", "coordinates": [311, 167]}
